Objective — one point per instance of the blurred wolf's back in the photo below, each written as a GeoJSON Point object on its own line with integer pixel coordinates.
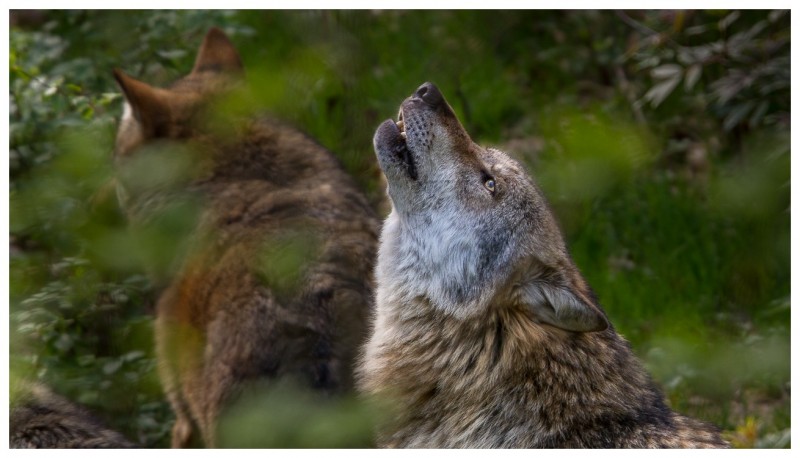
{"type": "Point", "coordinates": [40, 418]}
{"type": "Point", "coordinates": [275, 280]}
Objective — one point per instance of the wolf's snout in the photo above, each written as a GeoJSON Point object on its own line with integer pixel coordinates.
{"type": "Point", "coordinates": [429, 94]}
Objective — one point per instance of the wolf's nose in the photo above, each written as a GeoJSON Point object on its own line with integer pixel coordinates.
{"type": "Point", "coordinates": [429, 94]}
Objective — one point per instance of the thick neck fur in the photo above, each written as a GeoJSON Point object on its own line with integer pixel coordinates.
{"type": "Point", "coordinates": [447, 374]}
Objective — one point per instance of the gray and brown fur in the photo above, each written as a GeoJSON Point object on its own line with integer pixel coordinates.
{"type": "Point", "coordinates": [40, 418]}
{"type": "Point", "coordinates": [224, 322]}
{"type": "Point", "coordinates": [485, 334]}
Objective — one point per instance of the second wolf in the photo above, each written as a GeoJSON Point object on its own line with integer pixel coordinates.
{"type": "Point", "coordinates": [39, 418]}
{"type": "Point", "coordinates": [276, 280]}
{"type": "Point", "coordinates": [485, 333]}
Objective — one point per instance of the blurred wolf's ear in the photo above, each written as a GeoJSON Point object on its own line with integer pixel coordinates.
{"type": "Point", "coordinates": [149, 104]}
{"type": "Point", "coordinates": [561, 302]}
{"type": "Point", "coordinates": [217, 54]}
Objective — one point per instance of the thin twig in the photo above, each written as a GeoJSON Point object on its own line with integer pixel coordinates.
{"type": "Point", "coordinates": [641, 28]}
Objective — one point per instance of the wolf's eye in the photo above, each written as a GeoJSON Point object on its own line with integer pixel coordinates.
{"type": "Point", "coordinates": [489, 184]}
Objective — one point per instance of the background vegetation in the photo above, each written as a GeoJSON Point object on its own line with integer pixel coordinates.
{"type": "Point", "coordinates": [661, 139]}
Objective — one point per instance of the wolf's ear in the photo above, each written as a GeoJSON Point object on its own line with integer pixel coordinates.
{"type": "Point", "coordinates": [217, 54]}
{"type": "Point", "coordinates": [149, 104]}
{"type": "Point", "coordinates": [563, 305]}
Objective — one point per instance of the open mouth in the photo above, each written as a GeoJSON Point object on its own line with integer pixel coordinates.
{"type": "Point", "coordinates": [403, 154]}
{"type": "Point", "coordinates": [393, 143]}
{"type": "Point", "coordinates": [401, 126]}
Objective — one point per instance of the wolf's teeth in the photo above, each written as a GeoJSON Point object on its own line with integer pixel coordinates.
{"type": "Point", "coordinates": [403, 134]}
{"type": "Point", "coordinates": [401, 126]}
{"type": "Point", "coordinates": [400, 115]}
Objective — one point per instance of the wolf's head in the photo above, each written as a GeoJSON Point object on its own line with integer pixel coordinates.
{"type": "Point", "coordinates": [161, 131]}
{"type": "Point", "coordinates": [469, 229]}
{"type": "Point", "coordinates": [152, 113]}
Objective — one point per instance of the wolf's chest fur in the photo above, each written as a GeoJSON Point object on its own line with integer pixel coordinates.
{"type": "Point", "coordinates": [498, 382]}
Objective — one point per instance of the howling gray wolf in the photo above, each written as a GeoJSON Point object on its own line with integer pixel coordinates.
{"type": "Point", "coordinates": [485, 334]}
{"type": "Point", "coordinates": [40, 418]}
{"type": "Point", "coordinates": [277, 280]}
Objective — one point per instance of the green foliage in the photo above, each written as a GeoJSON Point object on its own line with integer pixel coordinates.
{"type": "Point", "coordinates": [736, 62]}
{"type": "Point", "coordinates": [660, 137]}
{"type": "Point", "coordinates": [588, 155]}
{"type": "Point", "coordinates": [296, 419]}
{"type": "Point", "coordinates": [89, 338]}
